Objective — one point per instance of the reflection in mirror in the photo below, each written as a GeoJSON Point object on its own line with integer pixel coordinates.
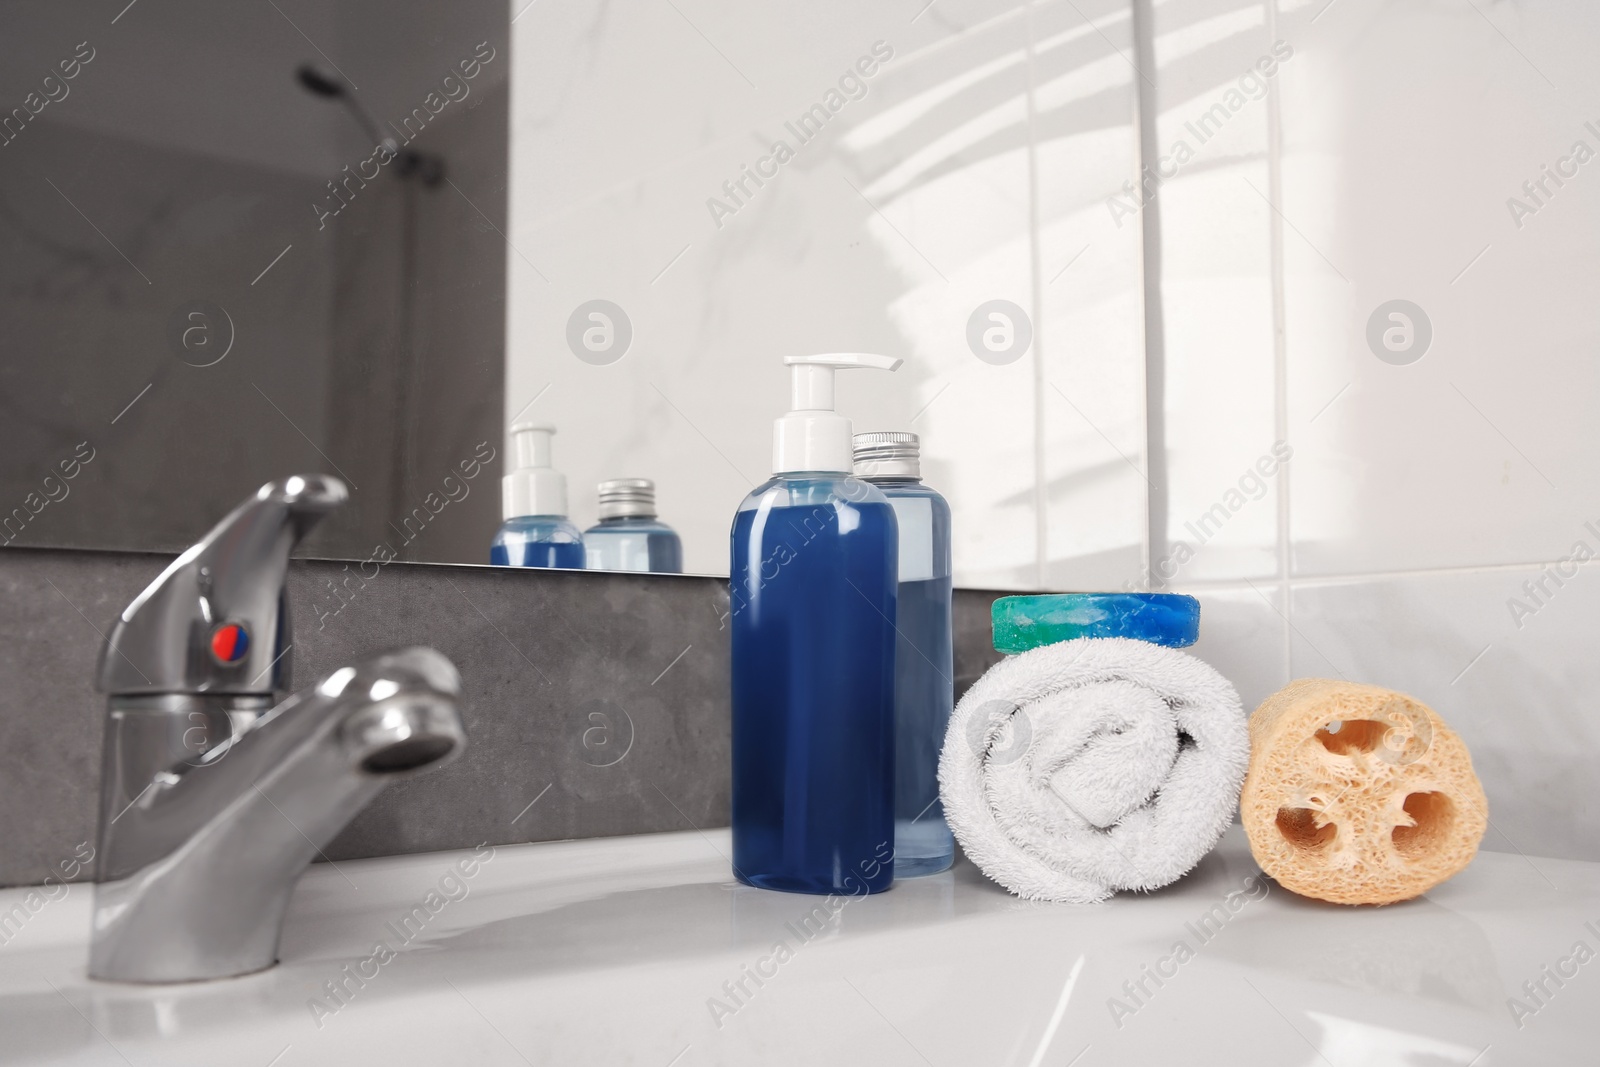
{"type": "Point", "coordinates": [801, 179]}
{"type": "Point", "coordinates": [372, 238]}
{"type": "Point", "coordinates": [244, 241]}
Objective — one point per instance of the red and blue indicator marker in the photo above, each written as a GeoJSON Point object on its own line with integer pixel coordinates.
{"type": "Point", "coordinates": [230, 643]}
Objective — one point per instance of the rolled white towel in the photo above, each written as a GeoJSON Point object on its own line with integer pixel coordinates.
{"type": "Point", "coordinates": [1079, 768]}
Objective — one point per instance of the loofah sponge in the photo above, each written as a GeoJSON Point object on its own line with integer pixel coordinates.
{"type": "Point", "coordinates": [1358, 794]}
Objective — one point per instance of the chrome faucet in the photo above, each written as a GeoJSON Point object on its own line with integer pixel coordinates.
{"type": "Point", "coordinates": [214, 796]}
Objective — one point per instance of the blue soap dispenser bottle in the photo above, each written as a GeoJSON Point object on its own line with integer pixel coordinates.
{"type": "Point", "coordinates": [813, 589]}
{"type": "Point", "coordinates": [533, 498]}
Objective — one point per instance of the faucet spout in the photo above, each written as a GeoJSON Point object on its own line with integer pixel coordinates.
{"type": "Point", "coordinates": [197, 864]}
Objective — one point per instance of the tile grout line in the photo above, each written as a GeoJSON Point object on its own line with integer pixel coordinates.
{"type": "Point", "coordinates": [1041, 518]}
{"type": "Point", "coordinates": [1280, 343]}
{"type": "Point", "coordinates": [1318, 581]}
{"type": "Point", "coordinates": [1153, 325]}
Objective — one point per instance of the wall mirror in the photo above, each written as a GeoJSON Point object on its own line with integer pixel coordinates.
{"type": "Point", "coordinates": [366, 238]}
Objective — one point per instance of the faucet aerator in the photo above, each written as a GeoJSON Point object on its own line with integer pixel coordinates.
{"type": "Point", "coordinates": [408, 755]}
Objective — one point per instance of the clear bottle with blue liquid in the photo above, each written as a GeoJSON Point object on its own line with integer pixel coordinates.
{"type": "Point", "coordinates": [537, 532]}
{"type": "Point", "coordinates": [924, 691]}
{"type": "Point", "coordinates": [629, 536]}
{"type": "Point", "coordinates": [813, 591]}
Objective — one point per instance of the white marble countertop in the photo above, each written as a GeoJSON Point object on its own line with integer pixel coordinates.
{"type": "Point", "coordinates": [634, 951]}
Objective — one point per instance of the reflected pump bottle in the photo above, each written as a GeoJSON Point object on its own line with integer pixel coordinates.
{"type": "Point", "coordinates": [924, 688]}
{"type": "Point", "coordinates": [537, 532]}
{"type": "Point", "coordinates": [813, 587]}
{"type": "Point", "coordinates": [628, 536]}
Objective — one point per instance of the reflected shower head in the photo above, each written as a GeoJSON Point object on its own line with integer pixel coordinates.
{"type": "Point", "coordinates": [317, 82]}
{"type": "Point", "coordinates": [425, 165]}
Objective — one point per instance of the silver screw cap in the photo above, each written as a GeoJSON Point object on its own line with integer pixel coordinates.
{"type": "Point", "coordinates": [887, 454]}
{"type": "Point", "coordinates": [628, 498]}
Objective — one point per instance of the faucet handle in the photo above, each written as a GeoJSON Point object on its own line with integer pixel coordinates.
{"type": "Point", "coordinates": [216, 620]}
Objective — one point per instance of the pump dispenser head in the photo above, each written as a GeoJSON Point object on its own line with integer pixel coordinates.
{"type": "Point", "coordinates": [814, 437]}
{"type": "Point", "coordinates": [533, 487]}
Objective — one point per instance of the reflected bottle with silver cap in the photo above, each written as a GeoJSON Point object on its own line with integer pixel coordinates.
{"type": "Point", "coordinates": [924, 690]}
{"type": "Point", "coordinates": [628, 536]}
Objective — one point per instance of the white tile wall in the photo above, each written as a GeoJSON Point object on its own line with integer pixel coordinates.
{"type": "Point", "coordinates": [1216, 290]}
{"type": "Point", "coordinates": [1522, 697]}
{"type": "Point", "coordinates": [1372, 163]}
{"type": "Point", "coordinates": [1397, 172]}
{"type": "Point", "coordinates": [1420, 496]}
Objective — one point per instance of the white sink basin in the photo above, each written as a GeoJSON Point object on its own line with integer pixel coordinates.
{"type": "Point", "coordinates": [631, 951]}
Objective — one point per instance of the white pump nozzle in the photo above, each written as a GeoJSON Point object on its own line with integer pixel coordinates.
{"type": "Point", "coordinates": [533, 487]}
{"type": "Point", "coordinates": [813, 437]}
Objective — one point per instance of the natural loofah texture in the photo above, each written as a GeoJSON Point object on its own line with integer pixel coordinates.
{"type": "Point", "coordinates": [1080, 768]}
{"type": "Point", "coordinates": [1357, 794]}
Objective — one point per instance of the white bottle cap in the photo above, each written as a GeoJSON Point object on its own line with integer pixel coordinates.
{"type": "Point", "coordinates": [533, 487]}
{"type": "Point", "coordinates": [813, 437]}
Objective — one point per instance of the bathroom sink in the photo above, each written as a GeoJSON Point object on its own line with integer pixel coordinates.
{"type": "Point", "coordinates": [642, 950]}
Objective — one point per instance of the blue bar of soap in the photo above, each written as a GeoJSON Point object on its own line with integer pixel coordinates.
{"type": "Point", "coordinates": [1024, 622]}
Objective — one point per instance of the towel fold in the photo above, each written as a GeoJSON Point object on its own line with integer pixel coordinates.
{"type": "Point", "coordinates": [1080, 768]}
